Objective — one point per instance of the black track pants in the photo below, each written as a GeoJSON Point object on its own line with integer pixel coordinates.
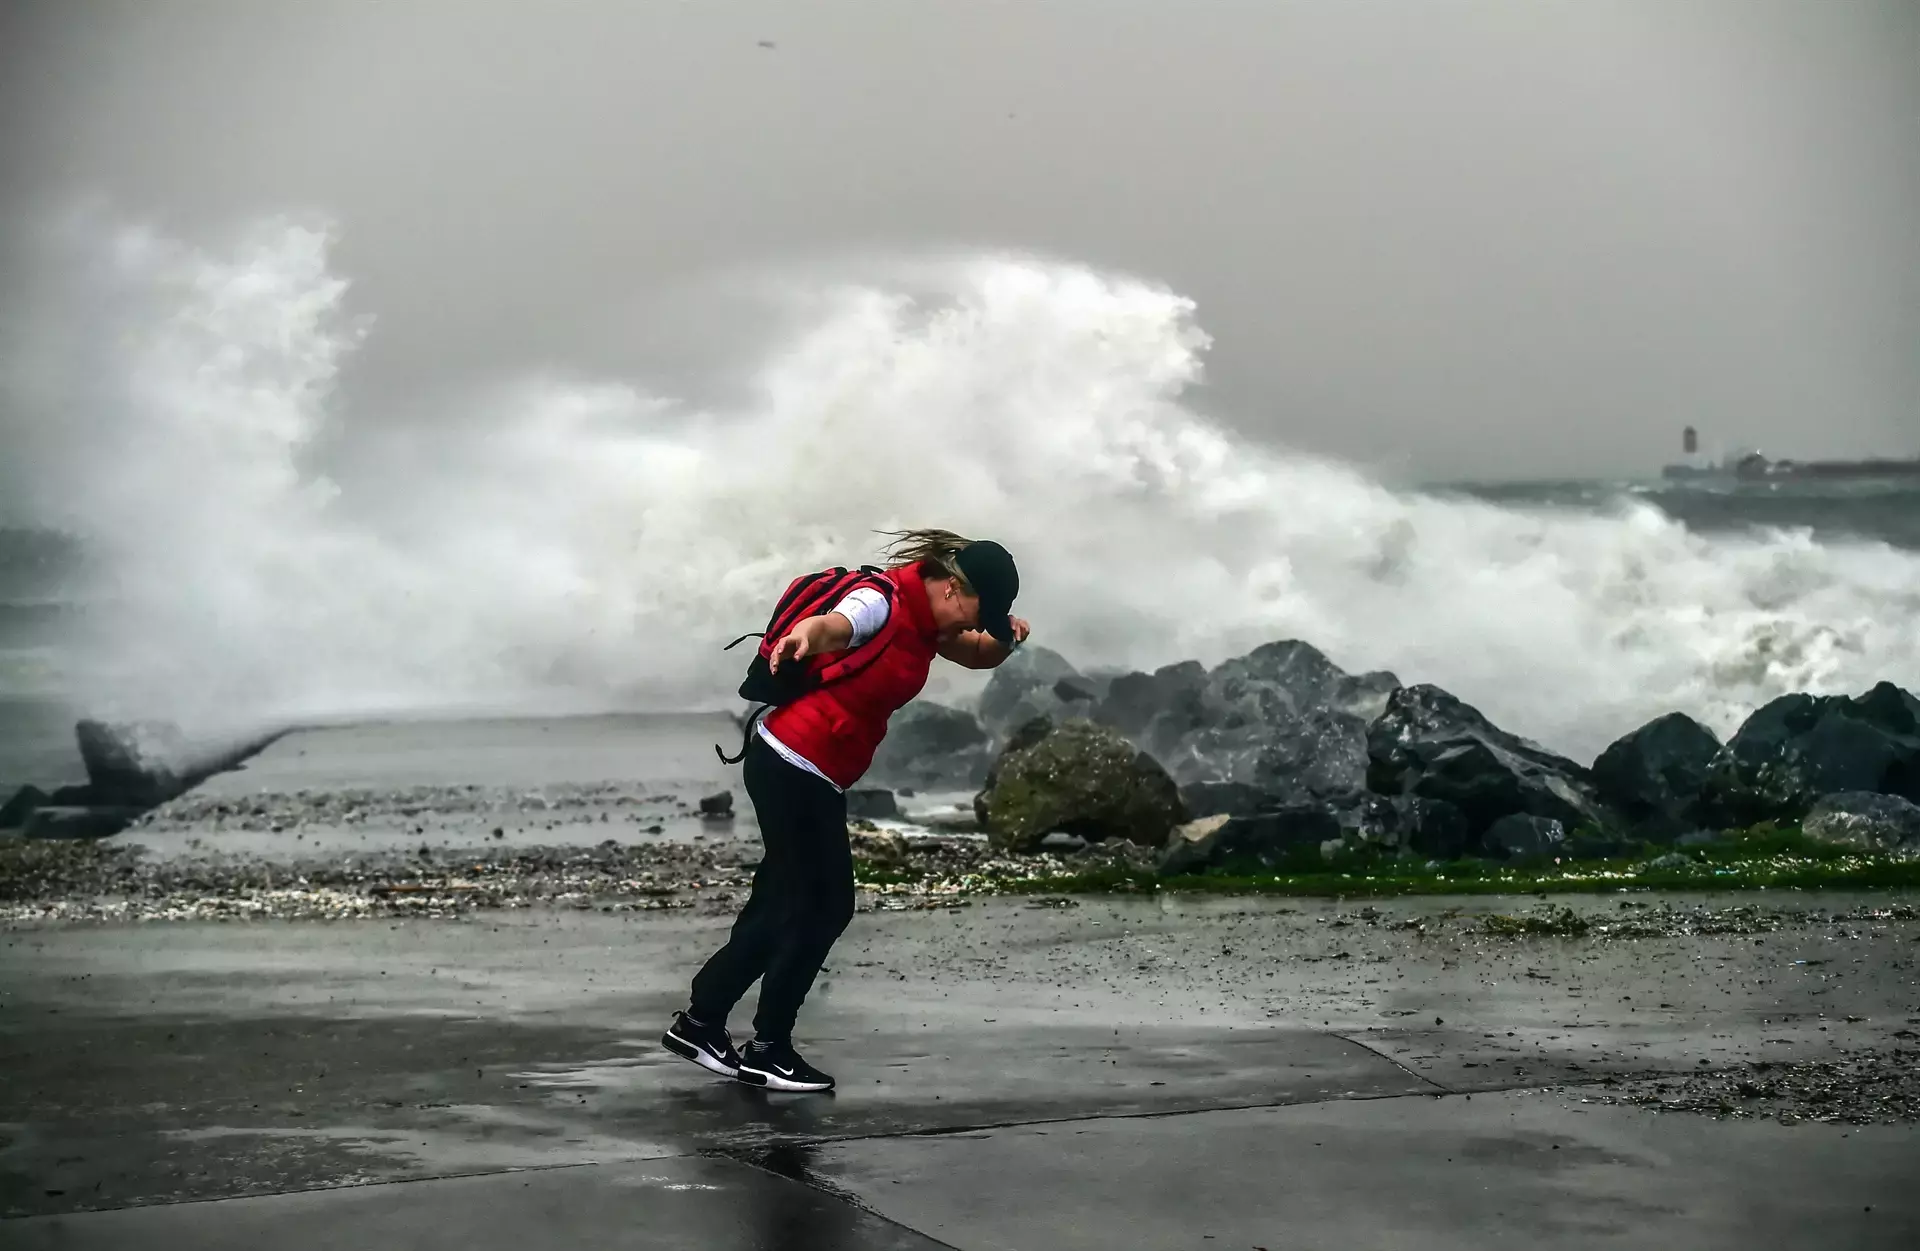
{"type": "Point", "coordinates": [801, 902]}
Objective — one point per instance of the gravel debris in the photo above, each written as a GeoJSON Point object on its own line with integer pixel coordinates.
{"type": "Point", "coordinates": [1859, 1087]}
{"type": "Point", "coordinates": [81, 881]}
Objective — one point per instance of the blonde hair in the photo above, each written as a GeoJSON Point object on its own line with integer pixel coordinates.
{"type": "Point", "coordinates": [936, 548]}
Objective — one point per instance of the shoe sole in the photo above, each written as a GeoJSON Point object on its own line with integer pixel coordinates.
{"type": "Point", "coordinates": [773, 1081]}
{"type": "Point", "coordinates": [687, 1050]}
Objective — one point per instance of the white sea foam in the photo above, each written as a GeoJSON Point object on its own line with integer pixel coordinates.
{"type": "Point", "coordinates": [570, 544]}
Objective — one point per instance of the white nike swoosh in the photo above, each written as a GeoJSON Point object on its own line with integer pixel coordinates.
{"type": "Point", "coordinates": [782, 1072]}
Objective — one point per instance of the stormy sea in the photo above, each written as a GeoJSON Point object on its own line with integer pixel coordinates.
{"type": "Point", "coordinates": [190, 542]}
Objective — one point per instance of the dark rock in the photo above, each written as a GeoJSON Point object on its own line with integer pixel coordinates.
{"type": "Point", "coordinates": [1526, 839]}
{"type": "Point", "coordinates": [1864, 819]}
{"type": "Point", "coordinates": [1238, 799]}
{"type": "Point", "coordinates": [720, 805]}
{"type": "Point", "coordinates": [1072, 691]}
{"type": "Point", "coordinates": [872, 804]}
{"type": "Point", "coordinates": [65, 822]}
{"type": "Point", "coordinates": [1399, 825]}
{"type": "Point", "coordinates": [1282, 718]}
{"type": "Point", "coordinates": [1587, 844]}
{"type": "Point", "coordinates": [1278, 682]}
{"type": "Point", "coordinates": [1653, 776]}
{"type": "Point", "coordinates": [135, 763]}
{"type": "Point", "coordinates": [1061, 841]}
{"type": "Point", "coordinates": [1409, 824]}
{"type": "Point", "coordinates": [143, 764]}
{"type": "Point", "coordinates": [1799, 747]}
{"type": "Point", "coordinates": [14, 813]}
{"type": "Point", "coordinates": [1078, 778]}
{"type": "Point", "coordinates": [75, 796]}
{"type": "Point", "coordinates": [1255, 831]}
{"type": "Point", "coordinates": [1034, 682]}
{"type": "Point", "coordinates": [1262, 841]}
{"type": "Point", "coordinates": [1429, 744]}
{"type": "Point", "coordinates": [1156, 709]}
{"type": "Point", "coordinates": [932, 747]}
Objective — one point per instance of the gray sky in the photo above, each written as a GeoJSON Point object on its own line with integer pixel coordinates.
{"type": "Point", "coordinates": [1444, 238]}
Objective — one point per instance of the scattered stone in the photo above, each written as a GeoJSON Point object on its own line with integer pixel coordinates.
{"type": "Point", "coordinates": [1561, 921]}
{"type": "Point", "coordinates": [882, 847]}
{"type": "Point", "coordinates": [1861, 1087]}
{"type": "Point", "coordinates": [718, 806]}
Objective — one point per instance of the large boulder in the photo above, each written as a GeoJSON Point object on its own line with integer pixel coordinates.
{"type": "Point", "coordinates": [1653, 776]}
{"type": "Point", "coordinates": [1866, 820]}
{"type": "Point", "coordinates": [1159, 709]}
{"type": "Point", "coordinates": [1800, 747]}
{"type": "Point", "coordinates": [1035, 682]}
{"type": "Point", "coordinates": [1077, 777]}
{"type": "Point", "coordinates": [1282, 718]}
{"type": "Point", "coordinates": [932, 747]}
{"type": "Point", "coordinates": [1429, 744]}
{"type": "Point", "coordinates": [143, 764]}
{"type": "Point", "coordinates": [135, 763]}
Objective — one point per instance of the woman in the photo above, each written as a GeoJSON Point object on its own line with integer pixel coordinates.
{"type": "Point", "coordinates": [950, 597]}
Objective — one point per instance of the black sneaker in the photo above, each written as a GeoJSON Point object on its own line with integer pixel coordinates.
{"type": "Point", "coordinates": [777, 1066]}
{"type": "Point", "coordinates": [709, 1046]}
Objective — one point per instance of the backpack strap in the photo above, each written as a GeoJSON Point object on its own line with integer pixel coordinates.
{"type": "Point", "coordinates": [746, 738]}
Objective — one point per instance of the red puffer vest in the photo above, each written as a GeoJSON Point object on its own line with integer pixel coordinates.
{"type": "Point", "coordinates": [838, 728]}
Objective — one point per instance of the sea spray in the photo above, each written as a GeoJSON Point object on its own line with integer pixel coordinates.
{"type": "Point", "coordinates": [574, 544]}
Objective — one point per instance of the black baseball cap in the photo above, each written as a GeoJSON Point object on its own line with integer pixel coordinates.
{"type": "Point", "coordinates": [988, 569]}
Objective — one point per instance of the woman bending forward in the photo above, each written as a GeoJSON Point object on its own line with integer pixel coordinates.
{"type": "Point", "coordinates": [951, 598]}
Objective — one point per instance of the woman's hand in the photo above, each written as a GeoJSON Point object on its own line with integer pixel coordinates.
{"type": "Point", "coordinates": [1020, 629]}
{"type": "Point", "coordinates": [795, 646]}
{"type": "Point", "coordinates": [816, 636]}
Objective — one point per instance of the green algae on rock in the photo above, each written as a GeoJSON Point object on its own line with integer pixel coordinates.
{"type": "Point", "coordinates": [1080, 778]}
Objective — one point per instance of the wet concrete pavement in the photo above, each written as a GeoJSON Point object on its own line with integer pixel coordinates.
{"type": "Point", "coordinates": [1116, 1073]}
{"type": "Point", "coordinates": [1166, 1072]}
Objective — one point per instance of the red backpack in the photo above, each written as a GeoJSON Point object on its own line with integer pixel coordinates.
{"type": "Point", "coordinates": [807, 596]}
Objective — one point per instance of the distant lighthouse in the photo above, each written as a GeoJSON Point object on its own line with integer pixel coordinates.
{"type": "Point", "coordinates": [1690, 440]}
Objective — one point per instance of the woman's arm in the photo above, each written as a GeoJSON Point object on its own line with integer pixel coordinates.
{"type": "Point", "coordinates": [812, 636]}
{"type": "Point", "coordinates": [976, 649]}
